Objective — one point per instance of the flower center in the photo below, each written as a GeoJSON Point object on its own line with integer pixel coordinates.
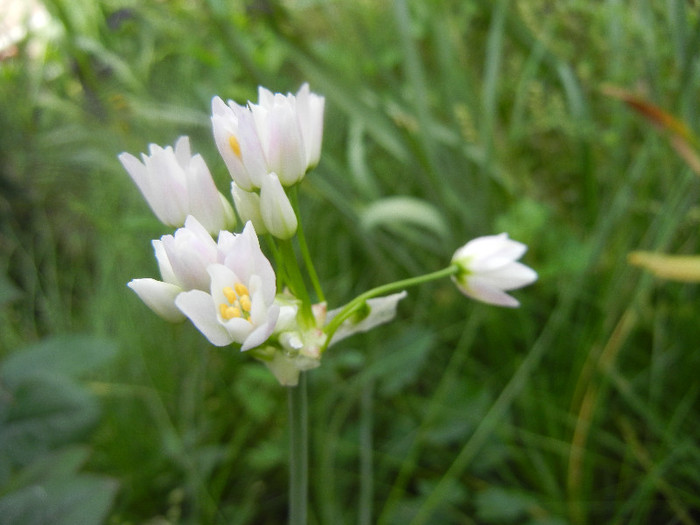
{"type": "Point", "coordinates": [235, 145]}
{"type": "Point", "coordinates": [237, 302]}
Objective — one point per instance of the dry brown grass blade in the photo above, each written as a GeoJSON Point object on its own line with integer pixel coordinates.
{"type": "Point", "coordinates": [681, 137]}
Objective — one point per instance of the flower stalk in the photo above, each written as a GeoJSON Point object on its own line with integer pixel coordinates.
{"type": "Point", "coordinates": [298, 452]}
{"type": "Point", "coordinates": [350, 308]}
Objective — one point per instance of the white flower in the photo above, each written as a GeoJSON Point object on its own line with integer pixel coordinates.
{"type": "Point", "coordinates": [488, 268]}
{"type": "Point", "coordinates": [182, 260]}
{"type": "Point", "coordinates": [280, 134]}
{"type": "Point", "coordinates": [176, 184]}
{"type": "Point", "coordinates": [240, 307]}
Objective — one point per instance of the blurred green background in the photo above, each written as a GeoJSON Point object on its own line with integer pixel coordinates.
{"type": "Point", "coordinates": [445, 120]}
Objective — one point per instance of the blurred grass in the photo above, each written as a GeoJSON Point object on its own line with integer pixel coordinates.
{"type": "Point", "coordinates": [445, 120]}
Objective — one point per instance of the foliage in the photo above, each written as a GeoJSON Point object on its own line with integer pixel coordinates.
{"type": "Point", "coordinates": [44, 413]}
{"type": "Point", "coordinates": [445, 120]}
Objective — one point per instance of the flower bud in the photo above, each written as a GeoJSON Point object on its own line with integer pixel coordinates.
{"type": "Point", "coordinates": [276, 210]}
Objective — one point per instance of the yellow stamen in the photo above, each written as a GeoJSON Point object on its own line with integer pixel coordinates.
{"type": "Point", "coordinates": [235, 146]}
{"type": "Point", "coordinates": [229, 312]}
{"type": "Point", "coordinates": [241, 289]}
{"type": "Point", "coordinates": [238, 303]}
{"type": "Point", "coordinates": [230, 294]}
{"type": "Point", "coordinates": [245, 302]}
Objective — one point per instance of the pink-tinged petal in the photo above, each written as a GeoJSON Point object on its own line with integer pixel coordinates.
{"type": "Point", "coordinates": [199, 308]}
{"type": "Point", "coordinates": [259, 307]}
{"type": "Point", "coordinates": [159, 297]}
{"type": "Point", "coordinates": [252, 149]}
{"type": "Point", "coordinates": [137, 171]}
{"type": "Point", "coordinates": [166, 269]}
{"type": "Point", "coordinates": [485, 292]}
{"type": "Point", "coordinates": [168, 186]}
{"type": "Point", "coordinates": [262, 332]}
{"type": "Point", "coordinates": [490, 252]}
{"type": "Point", "coordinates": [309, 107]}
{"type": "Point", "coordinates": [189, 252]}
{"type": "Point", "coordinates": [206, 203]}
{"type": "Point", "coordinates": [144, 181]}
{"type": "Point", "coordinates": [265, 97]}
{"type": "Point", "coordinates": [183, 153]}
{"type": "Point", "coordinates": [225, 125]}
{"type": "Point", "coordinates": [221, 277]}
{"type": "Point", "coordinates": [284, 147]}
{"type": "Point", "coordinates": [511, 277]}
{"type": "Point", "coordinates": [238, 328]}
{"type": "Point", "coordinates": [245, 258]}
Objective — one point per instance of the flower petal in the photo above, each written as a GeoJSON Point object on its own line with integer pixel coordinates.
{"type": "Point", "coordinates": [485, 292]}
{"type": "Point", "coordinates": [276, 210]}
{"type": "Point", "coordinates": [159, 297]}
{"type": "Point", "coordinates": [199, 307]}
{"type": "Point", "coordinates": [263, 331]}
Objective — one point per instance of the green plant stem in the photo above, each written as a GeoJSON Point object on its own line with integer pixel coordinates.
{"type": "Point", "coordinates": [296, 281]}
{"type": "Point", "coordinates": [384, 289]}
{"type": "Point", "coordinates": [305, 254]}
{"type": "Point", "coordinates": [366, 450]}
{"type": "Point", "coordinates": [298, 452]}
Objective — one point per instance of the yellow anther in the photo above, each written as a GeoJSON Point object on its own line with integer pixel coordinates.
{"type": "Point", "coordinates": [244, 300]}
{"type": "Point", "coordinates": [229, 312]}
{"type": "Point", "coordinates": [235, 146]}
{"type": "Point", "coordinates": [222, 310]}
{"type": "Point", "coordinates": [241, 289]}
{"type": "Point", "coordinates": [230, 294]}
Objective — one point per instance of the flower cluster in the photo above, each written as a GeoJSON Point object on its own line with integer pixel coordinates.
{"type": "Point", "coordinates": [223, 282]}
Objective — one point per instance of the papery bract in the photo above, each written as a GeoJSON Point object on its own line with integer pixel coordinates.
{"type": "Point", "coordinates": [176, 184]}
{"type": "Point", "coordinates": [488, 268]}
{"type": "Point", "coordinates": [376, 311]}
{"type": "Point", "coordinates": [299, 344]}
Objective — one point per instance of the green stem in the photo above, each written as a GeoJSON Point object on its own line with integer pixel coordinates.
{"type": "Point", "coordinates": [360, 300]}
{"type": "Point", "coordinates": [305, 254]}
{"type": "Point", "coordinates": [298, 452]}
{"type": "Point", "coordinates": [366, 449]}
{"type": "Point", "coordinates": [296, 281]}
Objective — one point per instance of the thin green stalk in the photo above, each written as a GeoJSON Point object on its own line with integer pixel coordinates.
{"type": "Point", "coordinates": [366, 448]}
{"type": "Point", "coordinates": [296, 281]}
{"type": "Point", "coordinates": [384, 289]}
{"type": "Point", "coordinates": [305, 254]}
{"type": "Point", "coordinates": [298, 452]}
